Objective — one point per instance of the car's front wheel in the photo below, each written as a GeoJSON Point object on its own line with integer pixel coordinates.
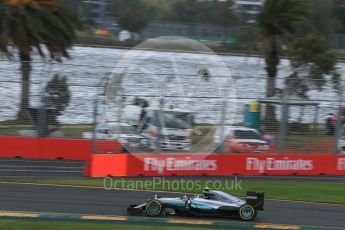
{"type": "Point", "coordinates": [247, 212]}
{"type": "Point", "coordinates": [154, 208]}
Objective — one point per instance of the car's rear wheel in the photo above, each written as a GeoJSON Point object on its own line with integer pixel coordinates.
{"type": "Point", "coordinates": [154, 208]}
{"type": "Point", "coordinates": [247, 212]}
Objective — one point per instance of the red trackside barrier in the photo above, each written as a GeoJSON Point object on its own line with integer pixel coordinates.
{"type": "Point", "coordinates": [67, 149]}
{"type": "Point", "coordinates": [19, 147]}
{"type": "Point", "coordinates": [100, 165]}
{"type": "Point", "coordinates": [53, 148]}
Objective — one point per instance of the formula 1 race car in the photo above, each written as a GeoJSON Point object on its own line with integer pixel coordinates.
{"type": "Point", "coordinates": [210, 203]}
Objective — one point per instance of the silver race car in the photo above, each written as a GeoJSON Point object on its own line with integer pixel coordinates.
{"type": "Point", "coordinates": [210, 203]}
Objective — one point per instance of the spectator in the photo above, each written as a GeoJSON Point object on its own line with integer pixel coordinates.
{"type": "Point", "coordinates": [269, 138]}
{"type": "Point", "coordinates": [330, 124]}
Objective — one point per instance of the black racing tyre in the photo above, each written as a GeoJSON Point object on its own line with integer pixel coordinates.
{"type": "Point", "coordinates": [154, 208]}
{"type": "Point", "coordinates": [247, 212]}
{"type": "Point", "coordinates": [132, 211]}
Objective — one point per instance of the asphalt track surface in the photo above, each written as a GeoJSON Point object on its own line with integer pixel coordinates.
{"type": "Point", "coordinates": [61, 169]}
{"type": "Point", "coordinates": [23, 168]}
{"type": "Point", "coordinates": [62, 199]}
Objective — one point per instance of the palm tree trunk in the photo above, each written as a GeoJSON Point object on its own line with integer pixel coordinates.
{"type": "Point", "coordinates": [25, 87]}
{"type": "Point", "coordinates": [272, 62]}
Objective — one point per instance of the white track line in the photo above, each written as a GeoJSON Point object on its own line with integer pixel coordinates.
{"type": "Point", "coordinates": [295, 177]}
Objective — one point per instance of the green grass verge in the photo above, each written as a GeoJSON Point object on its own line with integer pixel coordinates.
{"type": "Point", "coordinates": [50, 225]}
{"type": "Point", "coordinates": [302, 140]}
{"type": "Point", "coordinates": [300, 191]}
{"type": "Point", "coordinates": [69, 131]}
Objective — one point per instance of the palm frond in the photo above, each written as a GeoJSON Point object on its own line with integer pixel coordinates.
{"type": "Point", "coordinates": [30, 25]}
{"type": "Point", "coordinates": [279, 16]}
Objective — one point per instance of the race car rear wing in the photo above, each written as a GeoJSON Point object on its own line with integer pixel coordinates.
{"type": "Point", "coordinates": [256, 200]}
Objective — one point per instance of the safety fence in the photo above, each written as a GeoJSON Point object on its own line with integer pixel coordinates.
{"type": "Point", "coordinates": [93, 96]}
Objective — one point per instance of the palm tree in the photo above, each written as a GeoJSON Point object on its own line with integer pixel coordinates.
{"type": "Point", "coordinates": [28, 25]}
{"type": "Point", "coordinates": [276, 20]}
